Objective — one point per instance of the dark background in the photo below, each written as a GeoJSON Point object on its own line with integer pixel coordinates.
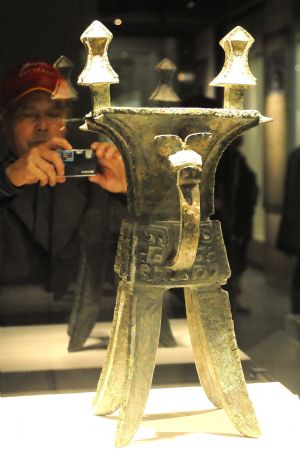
{"type": "Point", "coordinates": [47, 29]}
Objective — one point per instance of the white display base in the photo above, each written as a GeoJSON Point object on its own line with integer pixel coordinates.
{"type": "Point", "coordinates": [178, 421]}
{"type": "Point", "coordinates": [44, 347]}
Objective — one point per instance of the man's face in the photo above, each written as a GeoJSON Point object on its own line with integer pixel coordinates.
{"type": "Point", "coordinates": [33, 120]}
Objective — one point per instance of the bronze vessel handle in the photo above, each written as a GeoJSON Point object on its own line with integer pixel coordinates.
{"type": "Point", "coordinates": [188, 165]}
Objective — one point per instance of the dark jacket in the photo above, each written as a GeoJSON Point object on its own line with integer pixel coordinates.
{"type": "Point", "coordinates": [45, 232]}
{"type": "Point", "coordinates": [235, 195]}
{"type": "Point", "coordinates": [235, 199]}
{"type": "Point", "coordinates": [289, 231]}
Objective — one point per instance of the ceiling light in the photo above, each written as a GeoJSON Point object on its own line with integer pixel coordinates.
{"type": "Point", "coordinates": [118, 21]}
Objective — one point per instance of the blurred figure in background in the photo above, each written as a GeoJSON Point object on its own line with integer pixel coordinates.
{"type": "Point", "coordinates": [235, 199]}
{"type": "Point", "coordinates": [289, 231]}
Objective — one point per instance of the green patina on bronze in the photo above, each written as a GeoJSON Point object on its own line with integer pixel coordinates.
{"type": "Point", "coordinates": [168, 240]}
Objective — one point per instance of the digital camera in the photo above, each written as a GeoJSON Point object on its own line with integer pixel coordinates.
{"type": "Point", "coordinates": [79, 162]}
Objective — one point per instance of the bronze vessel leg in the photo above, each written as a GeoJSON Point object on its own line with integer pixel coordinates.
{"type": "Point", "coordinates": [134, 343]}
{"type": "Point", "coordinates": [216, 355]}
{"type": "Point", "coordinates": [110, 387]}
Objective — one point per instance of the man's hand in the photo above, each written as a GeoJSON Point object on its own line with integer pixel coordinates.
{"type": "Point", "coordinates": [42, 163]}
{"type": "Point", "coordinates": [112, 176]}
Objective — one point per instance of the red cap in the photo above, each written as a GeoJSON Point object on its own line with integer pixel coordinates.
{"type": "Point", "coordinates": [31, 76]}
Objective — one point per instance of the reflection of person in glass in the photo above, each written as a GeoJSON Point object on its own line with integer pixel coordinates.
{"type": "Point", "coordinates": [235, 199]}
{"type": "Point", "coordinates": [289, 229]}
{"type": "Point", "coordinates": [33, 118]}
{"type": "Point", "coordinates": [43, 214]}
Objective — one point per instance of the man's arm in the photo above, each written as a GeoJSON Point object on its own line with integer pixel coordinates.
{"type": "Point", "coordinates": [41, 164]}
{"type": "Point", "coordinates": [112, 176]}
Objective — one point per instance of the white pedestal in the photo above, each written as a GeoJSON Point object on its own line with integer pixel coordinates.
{"type": "Point", "coordinates": [178, 421]}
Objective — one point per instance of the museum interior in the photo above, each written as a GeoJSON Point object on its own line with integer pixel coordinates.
{"type": "Point", "coordinates": [55, 342]}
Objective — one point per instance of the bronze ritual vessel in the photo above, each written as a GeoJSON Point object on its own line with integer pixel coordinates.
{"type": "Point", "coordinates": [168, 239]}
